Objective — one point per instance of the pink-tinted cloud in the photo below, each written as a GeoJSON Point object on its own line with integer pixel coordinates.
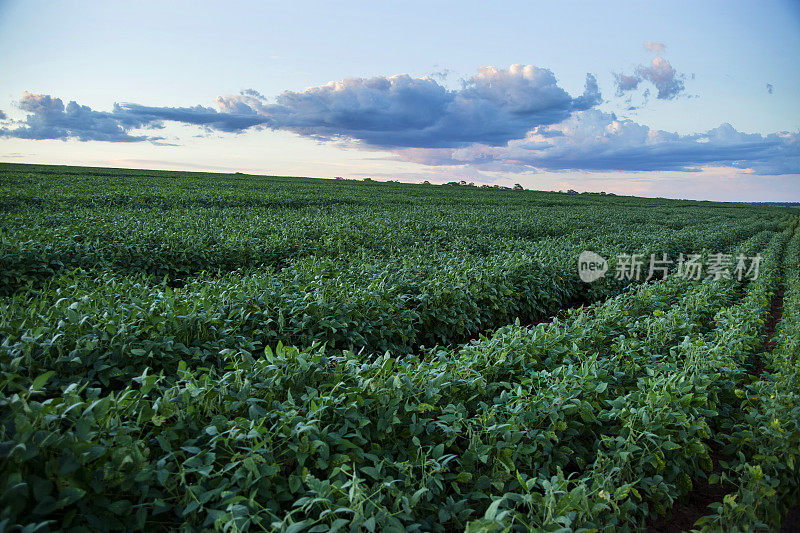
{"type": "Point", "coordinates": [655, 47]}
{"type": "Point", "coordinates": [668, 82]}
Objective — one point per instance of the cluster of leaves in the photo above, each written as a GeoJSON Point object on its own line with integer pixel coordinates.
{"type": "Point", "coordinates": [301, 437]}
{"type": "Point", "coordinates": [131, 401]}
{"type": "Point", "coordinates": [548, 427]}
{"type": "Point", "coordinates": [764, 440]}
{"type": "Point", "coordinates": [173, 226]}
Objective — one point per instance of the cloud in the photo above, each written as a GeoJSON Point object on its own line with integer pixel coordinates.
{"type": "Point", "coordinates": [659, 72]}
{"type": "Point", "coordinates": [626, 83]}
{"type": "Point", "coordinates": [441, 74]}
{"type": "Point", "coordinates": [499, 120]}
{"type": "Point", "coordinates": [226, 121]}
{"type": "Point", "coordinates": [2, 115]}
{"type": "Point", "coordinates": [665, 78]}
{"type": "Point", "coordinates": [655, 47]}
{"type": "Point", "coordinates": [596, 141]}
{"type": "Point", "coordinates": [247, 102]}
{"type": "Point", "coordinates": [769, 88]}
{"type": "Point", "coordinates": [48, 118]}
{"type": "Point", "coordinates": [492, 107]}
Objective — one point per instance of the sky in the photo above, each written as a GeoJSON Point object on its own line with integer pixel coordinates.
{"type": "Point", "coordinates": [697, 100]}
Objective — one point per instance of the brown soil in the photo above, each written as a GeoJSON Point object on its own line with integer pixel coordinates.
{"type": "Point", "coordinates": [791, 522]}
{"type": "Point", "coordinates": [684, 514]}
{"type": "Point", "coordinates": [775, 313]}
{"type": "Point", "coordinates": [561, 313]}
{"type": "Point", "coordinates": [695, 505]}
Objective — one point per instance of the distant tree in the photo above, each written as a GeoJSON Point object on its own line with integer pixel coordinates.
{"type": "Point", "coordinates": [518, 187]}
{"type": "Point", "coordinates": [572, 191]}
{"type": "Point", "coordinates": [426, 182]}
{"type": "Point", "coordinates": [339, 178]}
{"type": "Point", "coordinates": [367, 179]}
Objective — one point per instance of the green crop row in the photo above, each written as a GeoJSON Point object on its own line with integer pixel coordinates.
{"type": "Point", "coordinates": [302, 439]}
{"type": "Point", "coordinates": [764, 441]}
{"type": "Point", "coordinates": [186, 352]}
{"type": "Point", "coordinates": [109, 329]}
{"type": "Point", "coordinates": [174, 227]}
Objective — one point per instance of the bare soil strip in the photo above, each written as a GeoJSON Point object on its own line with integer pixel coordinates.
{"type": "Point", "coordinates": [695, 505]}
{"type": "Point", "coordinates": [683, 515]}
{"type": "Point", "coordinates": [791, 522]}
{"type": "Point", "coordinates": [774, 317]}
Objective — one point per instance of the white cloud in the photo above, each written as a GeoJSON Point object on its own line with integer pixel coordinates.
{"type": "Point", "coordinates": [596, 141]}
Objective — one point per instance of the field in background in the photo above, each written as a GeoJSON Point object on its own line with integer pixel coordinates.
{"type": "Point", "coordinates": [188, 350]}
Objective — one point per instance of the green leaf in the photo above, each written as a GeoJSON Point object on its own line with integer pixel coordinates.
{"type": "Point", "coordinates": [41, 380]}
{"type": "Point", "coordinates": [120, 507]}
{"type": "Point", "coordinates": [191, 507]}
{"type": "Point", "coordinates": [491, 512]}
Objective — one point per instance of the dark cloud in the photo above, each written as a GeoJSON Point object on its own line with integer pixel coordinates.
{"type": "Point", "coordinates": [233, 121]}
{"type": "Point", "coordinates": [48, 118]}
{"type": "Point", "coordinates": [2, 115]}
{"type": "Point", "coordinates": [596, 141]}
{"type": "Point", "coordinates": [516, 119]}
{"type": "Point", "coordinates": [769, 88]}
{"type": "Point", "coordinates": [492, 107]}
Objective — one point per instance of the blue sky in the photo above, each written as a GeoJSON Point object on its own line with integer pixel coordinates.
{"type": "Point", "coordinates": [709, 109]}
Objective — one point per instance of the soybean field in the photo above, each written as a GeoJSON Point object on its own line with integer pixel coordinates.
{"type": "Point", "coordinates": [183, 351]}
